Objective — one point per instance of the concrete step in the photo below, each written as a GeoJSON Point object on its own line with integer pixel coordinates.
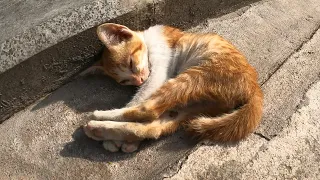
{"type": "Point", "coordinates": [280, 38]}
{"type": "Point", "coordinates": [44, 43]}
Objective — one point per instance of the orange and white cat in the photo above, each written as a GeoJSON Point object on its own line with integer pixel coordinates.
{"type": "Point", "coordinates": [197, 81]}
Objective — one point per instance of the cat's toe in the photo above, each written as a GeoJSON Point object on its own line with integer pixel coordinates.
{"type": "Point", "coordinates": [130, 147]}
{"type": "Point", "coordinates": [112, 146]}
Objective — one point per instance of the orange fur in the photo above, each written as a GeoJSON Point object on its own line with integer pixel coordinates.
{"type": "Point", "coordinates": [220, 98]}
{"type": "Point", "coordinates": [117, 55]}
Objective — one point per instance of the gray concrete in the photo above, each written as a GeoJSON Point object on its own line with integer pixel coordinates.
{"type": "Point", "coordinates": [295, 151]}
{"type": "Point", "coordinates": [45, 52]}
{"type": "Point", "coordinates": [44, 43]}
{"type": "Point", "coordinates": [28, 27]}
{"type": "Point", "coordinates": [281, 39]}
{"type": "Point", "coordinates": [293, 154]}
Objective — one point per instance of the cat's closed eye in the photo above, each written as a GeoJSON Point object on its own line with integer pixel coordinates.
{"type": "Point", "coordinates": [131, 66]}
{"type": "Point", "coordinates": [124, 81]}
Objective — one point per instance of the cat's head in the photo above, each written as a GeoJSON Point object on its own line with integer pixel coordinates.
{"type": "Point", "coordinates": [125, 58]}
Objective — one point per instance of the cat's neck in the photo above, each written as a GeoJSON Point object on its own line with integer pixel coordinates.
{"type": "Point", "coordinates": [160, 53]}
{"type": "Point", "coordinates": [161, 42]}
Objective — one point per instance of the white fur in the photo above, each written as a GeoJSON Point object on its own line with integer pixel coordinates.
{"type": "Point", "coordinates": [114, 115]}
{"type": "Point", "coordinates": [111, 129]}
{"type": "Point", "coordinates": [164, 64]}
{"type": "Point", "coordinates": [159, 56]}
{"type": "Point", "coordinates": [160, 59]}
{"type": "Point", "coordinates": [144, 59]}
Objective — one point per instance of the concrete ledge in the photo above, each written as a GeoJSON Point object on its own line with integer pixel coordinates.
{"type": "Point", "coordinates": [46, 23]}
{"type": "Point", "coordinates": [40, 57]}
{"type": "Point", "coordinates": [39, 48]}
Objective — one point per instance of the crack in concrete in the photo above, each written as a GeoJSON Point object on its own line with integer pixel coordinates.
{"type": "Point", "coordinates": [298, 49]}
{"type": "Point", "coordinates": [304, 99]}
{"type": "Point", "coordinates": [292, 54]}
{"type": "Point", "coordinates": [279, 67]}
{"type": "Point", "coordinates": [180, 163]}
{"type": "Point", "coordinates": [179, 166]}
{"type": "Point", "coordinates": [262, 136]}
{"type": "Point", "coordinates": [303, 102]}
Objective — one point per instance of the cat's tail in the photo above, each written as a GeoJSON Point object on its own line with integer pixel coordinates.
{"type": "Point", "coordinates": [233, 126]}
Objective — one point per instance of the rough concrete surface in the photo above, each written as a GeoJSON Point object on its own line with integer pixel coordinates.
{"type": "Point", "coordinates": [280, 38]}
{"type": "Point", "coordinates": [45, 52]}
{"type": "Point", "coordinates": [293, 154]}
{"type": "Point", "coordinates": [49, 22]}
{"type": "Point", "coordinates": [33, 77]}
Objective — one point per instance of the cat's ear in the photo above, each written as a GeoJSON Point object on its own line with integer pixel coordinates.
{"type": "Point", "coordinates": [113, 34]}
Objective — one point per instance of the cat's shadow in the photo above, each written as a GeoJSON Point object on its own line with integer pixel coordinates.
{"type": "Point", "coordinates": [84, 95]}
{"type": "Point", "coordinates": [86, 148]}
{"type": "Point", "coordinates": [88, 93]}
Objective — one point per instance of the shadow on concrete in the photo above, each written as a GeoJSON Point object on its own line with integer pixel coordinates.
{"type": "Point", "coordinates": [49, 69]}
{"type": "Point", "coordinates": [86, 148]}
{"type": "Point", "coordinates": [90, 93]}
{"type": "Point", "coordinates": [180, 13]}
{"type": "Point", "coordinates": [99, 92]}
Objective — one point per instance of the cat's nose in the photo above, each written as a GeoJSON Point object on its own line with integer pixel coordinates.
{"type": "Point", "coordinates": [138, 81]}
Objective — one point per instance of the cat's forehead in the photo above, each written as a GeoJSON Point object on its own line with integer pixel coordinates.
{"type": "Point", "coordinates": [123, 51]}
{"type": "Point", "coordinates": [135, 45]}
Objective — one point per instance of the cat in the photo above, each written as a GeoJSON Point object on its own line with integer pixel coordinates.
{"type": "Point", "coordinates": [197, 81]}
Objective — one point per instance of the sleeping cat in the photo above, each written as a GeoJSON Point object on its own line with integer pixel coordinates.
{"type": "Point", "coordinates": [197, 81]}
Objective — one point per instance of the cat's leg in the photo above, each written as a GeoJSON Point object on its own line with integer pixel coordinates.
{"type": "Point", "coordinates": [112, 115]}
{"type": "Point", "coordinates": [92, 70]}
{"type": "Point", "coordinates": [186, 87]}
{"type": "Point", "coordinates": [131, 133]}
{"type": "Point", "coordinates": [96, 67]}
{"type": "Point", "coordinates": [157, 78]}
{"type": "Point", "coordinates": [180, 91]}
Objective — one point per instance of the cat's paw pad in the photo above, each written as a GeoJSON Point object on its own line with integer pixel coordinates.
{"type": "Point", "coordinates": [112, 146]}
{"type": "Point", "coordinates": [130, 147]}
